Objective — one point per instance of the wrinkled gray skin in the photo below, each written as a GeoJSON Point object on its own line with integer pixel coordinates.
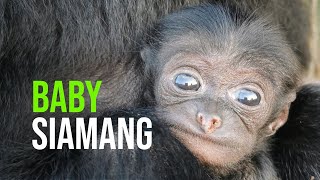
{"type": "Point", "coordinates": [223, 52]}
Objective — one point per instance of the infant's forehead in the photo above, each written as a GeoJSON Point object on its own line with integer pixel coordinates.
{"type": "Point", "coordinates": [197, 52]}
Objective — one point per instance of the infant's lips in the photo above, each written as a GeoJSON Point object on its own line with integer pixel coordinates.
{"type": "Point", "coordinates": [210, 138]}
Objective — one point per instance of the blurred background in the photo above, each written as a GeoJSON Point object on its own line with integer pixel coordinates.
{"type": "Point", "coordinates": [314, 71]}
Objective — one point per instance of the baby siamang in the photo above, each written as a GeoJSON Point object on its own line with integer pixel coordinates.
{"type": "Point", "coordinates": [219, 84]}
{"type": "Point", "coordinates": [241, 87]}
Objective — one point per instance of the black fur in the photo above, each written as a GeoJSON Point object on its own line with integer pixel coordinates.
{"type": "Point", "coordinates": [166, 159]}
{"type": "Point", "coordinates": [296, 150]}
{"type": "Point", "coordinates": [90, 40]}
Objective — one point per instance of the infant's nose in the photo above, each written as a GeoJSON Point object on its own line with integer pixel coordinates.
{"type": "Point", "coordinates": [208, 123]}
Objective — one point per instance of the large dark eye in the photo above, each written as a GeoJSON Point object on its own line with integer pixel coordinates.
{"type": "Point", "coordinates": [187, 82]}
{"type": "Point", "coordinates": [247, 97]}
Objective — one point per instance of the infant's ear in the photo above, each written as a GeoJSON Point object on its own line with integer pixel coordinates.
{"type": "Point", "coordinates": [278, 122]}
{"type": "Point", "coordinates": [146, 54]}
{"type": "Point", "coordinates": [282, 117]}
{"type": "Point", "coordinates": [149, 58]}
{"type": "Point", "coordinates": [292, 97]}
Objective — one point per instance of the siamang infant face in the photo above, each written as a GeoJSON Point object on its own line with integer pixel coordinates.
{"type": "Point", "coordinates": [217, 108]}
{"type": "Point", "coordinates": [223, 82]}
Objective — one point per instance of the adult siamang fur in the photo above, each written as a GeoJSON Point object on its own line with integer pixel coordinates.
{"type": "Point", "coordinates": [101, 40]}
{"type": "Point", "coordinates": [296, 147]}
{"type": "Point", "coordinates": [295, 152]}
